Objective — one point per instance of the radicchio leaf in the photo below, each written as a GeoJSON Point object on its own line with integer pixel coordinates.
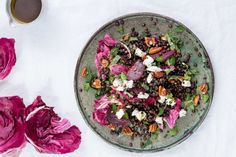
{"type": "Point", "coordinates": [48, 132]}
{"type": "Point", "coordinates": [7, 56]}
{"type": "Point", "coordinates": [117, 69]}
{"type": "Point", "coordinates": [136, 71]}
{"type": "Point", "coordinates": [173, 115]}
{"type": "Point", "coordinates": [11, 124]}
{"type": "Point", "coordinates": [103, 50]}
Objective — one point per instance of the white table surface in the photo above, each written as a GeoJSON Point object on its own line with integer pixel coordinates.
{"type": "Point", "coordinates": [47, 51]}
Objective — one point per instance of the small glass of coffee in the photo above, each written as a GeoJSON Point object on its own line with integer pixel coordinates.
{"type": "Point", "coordinates": [24, 11]}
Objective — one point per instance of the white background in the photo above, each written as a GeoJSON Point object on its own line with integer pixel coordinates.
{"type": "Point", "coordinates": [47, 51]}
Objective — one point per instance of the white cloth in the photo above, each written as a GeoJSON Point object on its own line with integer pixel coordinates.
{"type": "Point", "coordinates": [47, 51]}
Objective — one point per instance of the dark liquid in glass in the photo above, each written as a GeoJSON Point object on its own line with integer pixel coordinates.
{"type": "Point", "coordinates": [26, 10]}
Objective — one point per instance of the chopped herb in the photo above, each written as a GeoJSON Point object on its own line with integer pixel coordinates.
{"type": "Point", "coordinates": [171, 61]}
{"type": "Point", "coordinates": [126, 116]}
{"type": "Point", "coordinates": [205, 97]}
{"type": "Point", "coordinates": [174, 131]}
{"type": "Point", "coordinates": [133, 39]}
{"type": "Point", "coordinates": [161, 111]}
{"type": "Point", "coordinates": [143, 34]}
{"type": "Point", "coordinates": [188, 103]}
{"type": "Point", "coordinates": [152, 139]}
{"type": "Point", "coordinates": [189, 74]}
{"type": "Point", "coordinates": [120, 30]}
{"type": "Point", "coordinates": [122, 76]}
{"type": "Point", "coordinates": [87, 86]}
{"type": "Point", "coordinates": [115, 60]}
{"type": "Point", "coordinates": [174, 42]}
{"type": "Point", "coordinates": [179, 29]}
{"type": "Point", "coordinates": [114, 108]}
{"type": "Point", "coordinates": [114, 52]}
{"type": "Point", "coordinates": [159, 59]}
{"type": "Point", "coordinates": [145, 86]}
{"type": "Point", "coordinates": [111, 78]}
{"type": "Point", "coordinates": [168, 71]}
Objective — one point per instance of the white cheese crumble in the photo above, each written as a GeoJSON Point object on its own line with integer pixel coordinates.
{"type": "Point", "coordinates": [142, 95]}
{"type": "Point", "coordinates": [116, 83]}
{"type": "Point", "coordinates": [186, 83]}
{"type": "Point", "coordinates": [120, 88]}
{"type": "Point", "coordinates": [149, 78]}
{"type": "Point", "coordinates": [162, 99]}
{"type": "Point", "coordinates": [120, 113]}
{"type": "Point", "coordinates": [154, 69]}
{"type": "Point", "coordinates": [170, 102]}
{"type": "Point", "coordinates": [182, 113]}
{"type": "Point", "coordinates": [148, 61]}
{"type": "Point", "coordinates": [140, 115]}
{"type": "Point", "coordinates": [139, 52]}
{"type": "Point", "coordinates": [159, 120]}
{"type": "Point", "coordinates": [128, 106]}
{"type": "Point", "coordinates": [128, 84]}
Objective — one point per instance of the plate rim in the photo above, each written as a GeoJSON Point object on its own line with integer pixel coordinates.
{"type": "Point", "coordinates": [76, 91]}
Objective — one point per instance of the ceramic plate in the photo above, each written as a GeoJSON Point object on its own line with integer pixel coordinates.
{"type": "Point", "coordinates": [156, 24]}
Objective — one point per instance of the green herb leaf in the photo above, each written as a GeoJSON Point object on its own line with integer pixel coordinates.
{"type": "Point", "coordinates": [188, 103]}
{"type": "Point", "coordinates": [115, 60]}
{"type": "Point", "coordinates": [174, 42]}
{"type": "Point", "coordinates": [114, 52]}
{"type": "Point", "coordinates": [152, 139]}
{"type": "Point", "coordinates": [87, 86]}
{"type": "Point", "coordinates": [174, 131]}
{"type": "Point", "coordinates": [122, 76]}
{"type": "Point", "coordinates": [168, 71]}
{"type": "Point", "coordinates": [189, 74]}
{"type": "Point", "coordinates": [125, 116]}
{"type": "Point", "coordinates": [133, 39]}
{"type": "Point", "coordinates": [145, 86]}
{"type": "Point", "coordinates": [159, 59]}
{"type": "Point", "coordinates": [120, 30]}
{"type": "Point", "coordinates": [161, 111]}
{"type": "Point", "coordinates": [171, 61]}
{"type": "Point", "coordinates": [205, 97]}
{"type": "Point", "coordinates": [114, 108]}
{"type": "Point", "coordinates": [111, 78]}
{"type": "Point", "coordinates": [143, 34]}
{"type": "Point", "coordinates": [179, 29]}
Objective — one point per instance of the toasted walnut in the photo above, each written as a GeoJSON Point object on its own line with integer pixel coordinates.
{"type": "Point", "coordinates": [126, 37]}
{"type": "Point", "coordinates": [204, 88]}
{"type": "Point", "coordinates": [196, 100]}
{"type": "Point", "coordinates": [127, 131]}
{"type": "Point", "coordinates": [154, 50]}
{"type": "Point", "coordinates": [104, 63]}
{"type": "Point", "coordinates": [159, 74]}
{"type": "Point", "coordinates": [162, 91]}
{"type": "Point", "coordinates": [150, 41]}
{"type": "Point", "coordinates": [152, 128]}
{"type": "Point", "coordinates": [84, 72]}
{"type": "Point", "coordinates": [97, 84]}
{"type": "Point", "coordinates": [111, 126]}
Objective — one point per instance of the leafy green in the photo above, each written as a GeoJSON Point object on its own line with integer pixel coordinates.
{"type": "Point", "coordinates": [159, 59]}
{"type": "Point", "coordinates": [125, 116]}
{"type": "Point", "coordinates": [152, 139]}
{"type": "Point", "coordinates": [174, 131]}
{"type": "Point", "coordinates": [122, 76]}
{"type": "Point", "coordinates": [113, 108]}
{"type": "Point", "coordinates": [111, 78]}
{"type": "Point", "coordinates": [168, 71]}
{"type": "Point", "coordinates": [174, 42]}
{"type": "Point", "coordinates": [205, 97]}
{"type": "Point", "coordinates": [145, 86]}
{"type": "Point", "coordinates": [120, 30]}
{"type": "Point", "coordinates": [189, 74]}
{"type": "Point", "coordinates": [171, 61]}
{"type": "Point", "coordinates": [115, 60]}
{"type": "Point", "coordinates": [87, 86]}
{"type": "Point", "coordinates": [114, 52]}
{"type": "Point", "coordinates": [143, 34]}
{"type": "Point", "coordinates": [179, 29]}
{"type": "Point", "coordinates": [133, 39]}
{"type": "Point", "coordinates": [161, 111]}
{"type": "Point", "coordinates": [188, 103]}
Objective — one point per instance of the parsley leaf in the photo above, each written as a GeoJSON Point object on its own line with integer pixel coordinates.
{"type": "Point", "coordinates": [122, 76]}
{"type": "Point", "coordinates": [171, 61]}
{"type": "Point", "coordinates": [115, 60]}
{"type": "Point", "coordinates": [114, 108]}
{"type": "Point", "coordinates": [174, 131]}
{"type": "Point", "coordinates": [159, 59]}
{"type": "Point", "coordinates": [161, 111]}
{"type": "Point", "coordinates": [152, 139]}
{"type": "Point", "coordinates": [125, 116]}
{"type": "Point", "coordinates": [179, 29]}
{"type": "Point", "coordinates": [205, 97]}
{"type": "Point", "coordinates": [114, 52]}
{"type": "Point", "coordinates": [120, 30]}
{"type": "Point", "coordinates": [87, 86]}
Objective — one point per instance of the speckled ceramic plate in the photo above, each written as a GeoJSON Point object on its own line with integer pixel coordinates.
{"type": "Point", "coordinates": [156, 24]}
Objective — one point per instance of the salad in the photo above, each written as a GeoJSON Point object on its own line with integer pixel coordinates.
{"type": "Point", "coordinates": [142, 84]}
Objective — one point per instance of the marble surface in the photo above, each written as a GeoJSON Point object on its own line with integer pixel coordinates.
{"type": "Point", "coordinates": [47, 51]}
